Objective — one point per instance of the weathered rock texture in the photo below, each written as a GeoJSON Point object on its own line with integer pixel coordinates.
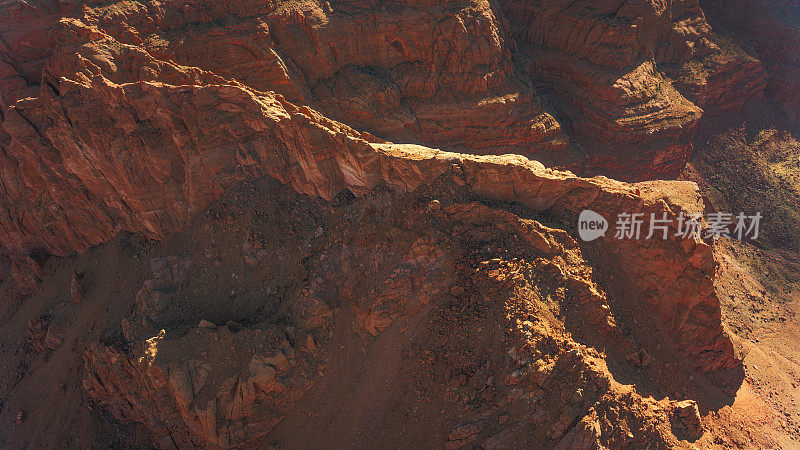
{"type": "Point", "coordinates": [600, 59]}
{"type": "Point", "coordinates": [455, 75]}
{"type": "Point", "coordinates": [165, 152]}
{"type": "Point", "coordinates": [211, 388]}
{"type": "Point", "coordinates": [436, 73]}
{"type": "Point", "coordinates": [771, 26]}
{"type": "Point", "coordinates": [403, 300]}
{"type": "Point", "coordinates": [722, 81]}
{"type": "Point", "coordinates": [138, 116]}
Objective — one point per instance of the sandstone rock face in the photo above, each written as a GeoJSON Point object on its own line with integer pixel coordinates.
{"type": "Point", "coordinates": [722, 83]}
{"type": "Point", "coordinates": [211, 388]}
{"type": "Point", "coordinates": [414, 72]}
{"type": "Point", "coordinates": [723, 80]}
{"type": "Point", "coordinates": [138, 116]}
{"type": "Point", "coordinates": [600, 59]}
{"type": "Point", "coordinates": [771, 26]}
{"type": "Point", "coordinates": [454, 75]}
{"type": "Point", "coordinates": [411, 280]}
{"type": "Point", "coordinates": [435, 73]}
{"type": "Point", "coordinates": [89, 157]}
{"type": "Point", "coordinates": [172, 129]}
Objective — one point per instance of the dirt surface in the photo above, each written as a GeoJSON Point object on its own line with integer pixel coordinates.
{"type": "Point", "coordinates": [748, 163]}
{"type": "Point", "coordinates": [760, 306]}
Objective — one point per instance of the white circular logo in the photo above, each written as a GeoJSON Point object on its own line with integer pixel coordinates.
{"type": "Point", "coordinates": [591, 225]}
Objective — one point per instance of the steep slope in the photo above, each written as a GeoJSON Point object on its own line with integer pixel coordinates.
{"type": "Point", "coordinates": [600, 59]}
{"type": "Point", "coordinates": [454, 75]}
{"type": "Point", "coordinates": [445, 319]}
{"type": "Point", "coordinates": [220, 247]}
{"type": "Point", "coordinates": [147, 157]}
{"type": "Point", "coordinates": [437, 73]}
{"type": "Point", "coordinates": [772, 29]}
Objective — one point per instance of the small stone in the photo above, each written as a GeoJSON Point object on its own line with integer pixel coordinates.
{"type": "Point", "coordinates": [319, 232]}
{"type": "Point", "coordinates": [19, 418]}
{"type": "Point", "coordinates": [233, 326]}
{"type": "Point", "coordinates": [434, 205]}
{"type": "Point", "coordinates": [250, 260]}
{"type": "Point", "coordinates": [76, 287]}
{"type": "Point", "coordinates": [457, 291]}
{"type": "Point", "coordinates": [686, 416]}
{"type": "Point", "coordinates": [206, 324]}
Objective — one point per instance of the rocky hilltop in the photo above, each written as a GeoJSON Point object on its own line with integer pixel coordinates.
{"type": "Point", "coordinates": [287, 223]}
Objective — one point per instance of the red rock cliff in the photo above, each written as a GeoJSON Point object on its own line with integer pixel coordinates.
{"type": "Point", "coordinates": [137, 116]}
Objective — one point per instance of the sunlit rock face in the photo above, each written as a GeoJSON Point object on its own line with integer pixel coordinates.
{"type": "Point", "coordinates": [341, 209]}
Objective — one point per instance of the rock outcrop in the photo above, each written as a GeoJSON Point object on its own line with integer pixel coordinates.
{"type": "Point", "coordinates": [110, 144]}
{"type": "Point", "coordinates": [140, 117]}
{"type": "Point", "coordinates": [435, 73]}
{"type": "Point", "coordinates": [770, 26]}
{"type": "Point", "coordinates": [600, 59]}
{"type": "Point", "coordinates": [454, 75]}
{"type": "Point", "coordinates": [459, 303]}
{"type": "Point", "coordinates": [723, 81]}
{"type": "Point", "coordinates": [165, 152]}
{"type": "Point", "coordinates": [212, 387]}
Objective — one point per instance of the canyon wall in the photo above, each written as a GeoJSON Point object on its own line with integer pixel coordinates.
{"type": "Point", "coordinates": [138, 116]}
{"type": "Point", "coordinates": [771, 27]}
{"type": "Point", "coordinates": [89, 158]}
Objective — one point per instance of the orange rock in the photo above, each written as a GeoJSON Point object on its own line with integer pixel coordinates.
{"type": "Point", "coordinates": [600, 59]}
{"type": "Point", "coordinates": [194, 399]}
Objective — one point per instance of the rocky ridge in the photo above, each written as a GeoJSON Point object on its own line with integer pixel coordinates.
{"type": "Point", "coordinates": [601, 61]}
{"type": "Point", "coordinates": [264, 135]}
{"type": "Point", "coordinates": [510, 334]}
{"type": "Point", "coordinates": [453, 75]}
{"type": "Point", "coordinates": [292, 144]}
{"type": "Point", "coordinates": [138, 117]}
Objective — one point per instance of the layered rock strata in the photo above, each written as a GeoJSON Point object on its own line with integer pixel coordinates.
{"type": "Point", "coordinates": [435, 73]}
{"type": "Point", "coordinates": [165, 152]}
{"type": "Point", "coordinates": [601, 61]}
{"type": "Point", "coordinates": [771, 28]}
